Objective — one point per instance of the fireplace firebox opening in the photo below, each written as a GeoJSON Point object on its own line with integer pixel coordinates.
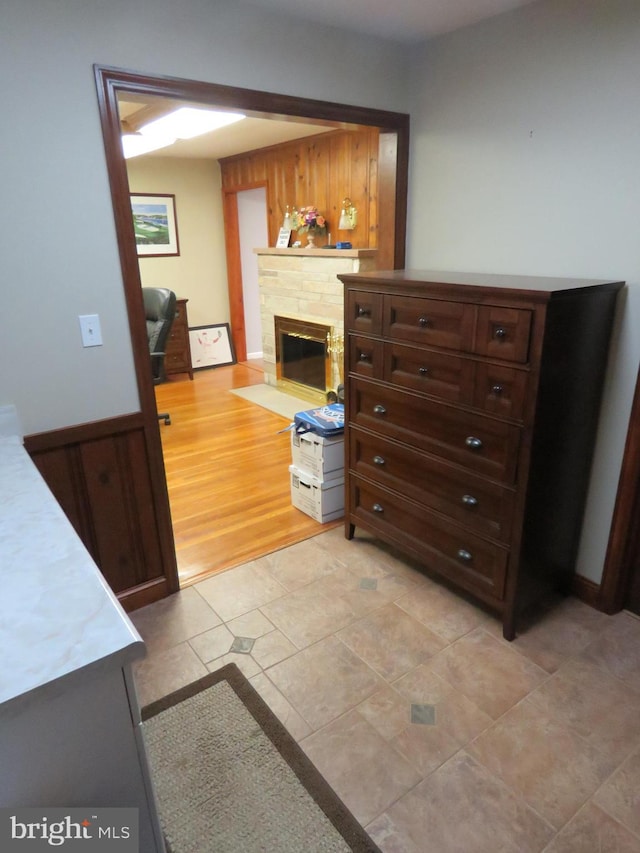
{"type": "Point", "coordinates": [303, 358]}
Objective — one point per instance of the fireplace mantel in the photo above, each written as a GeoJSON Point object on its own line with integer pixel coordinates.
{"type": "Point", "coordinates": [303, 284]}
{"type": "Point", "coordinates": [319, 253]}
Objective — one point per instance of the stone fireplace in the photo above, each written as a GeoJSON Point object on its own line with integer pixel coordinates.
{"type": "Point", "coordinates": [302, 286]}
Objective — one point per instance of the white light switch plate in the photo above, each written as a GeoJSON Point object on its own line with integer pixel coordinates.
{"type": "Point", "coordinates": [90, 329]}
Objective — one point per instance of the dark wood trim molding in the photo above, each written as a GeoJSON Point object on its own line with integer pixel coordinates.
{"type": "Point", "coordinates": [586, 590]}
{"type": "Point", "coordinates": [234, 268]}
{"type": "Point", "coordinates": [624, 538]}
{"type": "Point", "coordinates": [109, 83]}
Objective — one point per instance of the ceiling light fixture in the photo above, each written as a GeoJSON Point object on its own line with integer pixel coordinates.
{"type": "Point", "coordinates": [187, 122]}
{"type": "Point", "coordinates": [135, 144]}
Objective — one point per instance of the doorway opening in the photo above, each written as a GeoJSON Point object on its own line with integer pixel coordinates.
{"type": "Point", "coordinates": [114, 84]}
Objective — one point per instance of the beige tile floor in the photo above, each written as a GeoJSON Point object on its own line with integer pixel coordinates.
{"type": "Point", "coordinates": [515, 747]}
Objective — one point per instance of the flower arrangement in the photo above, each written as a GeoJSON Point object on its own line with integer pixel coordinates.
{"type": "Point", "coordinates": [309, 219]}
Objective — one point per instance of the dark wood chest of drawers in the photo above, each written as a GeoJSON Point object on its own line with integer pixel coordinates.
{"type": "Point", "coordinates": [471, 410]}
{"type": "Point", "coordinates": [178, 355]}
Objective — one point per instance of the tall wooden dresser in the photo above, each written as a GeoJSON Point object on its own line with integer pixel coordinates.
{"type": "Point", "coordinates": [178, 355]}
{"type": "Point", "coordinates": [471, 411]}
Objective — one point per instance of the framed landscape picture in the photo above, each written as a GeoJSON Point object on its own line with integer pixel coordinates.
{"type": "Point", "coordinates": [154, 224]}
{"type": "Point", "coordinates": [211, 346]}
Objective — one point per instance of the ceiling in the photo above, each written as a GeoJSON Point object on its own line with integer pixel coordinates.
{"type": "Point", "coordinates": [408, 21]}
{"type": "Point", "coordinates": [247, 135]}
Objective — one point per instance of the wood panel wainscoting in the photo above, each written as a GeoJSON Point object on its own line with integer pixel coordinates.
{"type": "Point", "coordinates": [100, 474]}
{"type": "Point", "coordinates": [321, 170]}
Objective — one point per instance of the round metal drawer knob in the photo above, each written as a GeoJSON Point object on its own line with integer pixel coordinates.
{"type": "Point", "coordinates": [465, 555]}
{"type": "Point", "coordinates": [423, 371]}
{"type": "Point", "coordinates": [363, 312]}
{"type": "Point", "coordinates": [379, 409]}
{"type": "Point", "coordinates": [497, 389]}
{"type": "Point", "coordinates": [423, 322]}
{"type": "Point", "coordinates": [500, 332]}
{"type": "Point", "coordinates": [378, 460]}
{"type": "Point", "coordinates": [378, 508]}
{"type": "Point", "coordinates": [473, 442]}
{"type": "Point", "coordinates": [364, 356]}
{"type": "Point", "coordinates": [469, 500]}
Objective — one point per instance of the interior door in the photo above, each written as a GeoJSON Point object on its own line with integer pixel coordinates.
{"type": "Point", "coordinates": [252, 232]}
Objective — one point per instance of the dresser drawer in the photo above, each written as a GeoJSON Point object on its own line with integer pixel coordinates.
{"type": "Point", "coordinates": [479, 504]}
{"type": "Point", "coordinates": [180, 320]}
{"type": "Point", "coordinates": [480, 443]}
{"type": "Point", "coordinates": [176, 361]}
{"type": "Point", "coordinates": [447, 376]}
{"type": "Point", "coordinates": [500, 390]}
{"type": "Point", "coordinates": [455, 552]}
{"type": "Point", "coordinates": [503, 333]}
{"type": "Point", "coordinates": [363, 312]}
{"type": "Point", "coordinates": [366, 356]}
{"type": "Point", "coordinates": [430, 322]}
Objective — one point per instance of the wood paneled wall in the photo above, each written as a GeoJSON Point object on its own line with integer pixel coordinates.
{"type": "Point", "coordinates": [100, 475]}
{"type": "Point", "coordinates": [318, 170]}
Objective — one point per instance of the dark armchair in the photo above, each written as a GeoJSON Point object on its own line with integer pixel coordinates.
{"type": "Point", "coordinates": [160, 311]}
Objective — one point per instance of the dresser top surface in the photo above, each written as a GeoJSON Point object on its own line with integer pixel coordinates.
{"type": "Point", "coordinates": [523, 285]}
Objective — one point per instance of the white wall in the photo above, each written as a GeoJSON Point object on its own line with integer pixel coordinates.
{"type": "Point", "coordinates": [199, 272]}
{"type": "Point", "coordinates": [58, 253]}
{"type": "Point", "coordinates": [526, 159]}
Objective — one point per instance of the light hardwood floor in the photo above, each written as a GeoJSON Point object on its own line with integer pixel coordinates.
{"type": "Point", "coordinates": [227, 466]}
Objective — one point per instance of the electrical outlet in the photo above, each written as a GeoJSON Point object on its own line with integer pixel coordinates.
{"type": "Point", "coordinates": [90, 330]}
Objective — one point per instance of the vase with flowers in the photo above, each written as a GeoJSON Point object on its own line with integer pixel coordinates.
{"type": "Point", "coordinates": [308, 220]}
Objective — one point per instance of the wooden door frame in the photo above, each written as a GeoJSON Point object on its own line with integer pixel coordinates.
{"type": "Point", "coordinates": [234, 265]}
{"type": "Point", "coordinates": [110, 82]}
{"type": "Point", "coordinates": [393, 189]}
{"type": "Point", "coordinates": [623, 550]}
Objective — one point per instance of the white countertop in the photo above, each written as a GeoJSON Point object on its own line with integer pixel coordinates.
{"type": "Point", "coordinates": [58, 617]}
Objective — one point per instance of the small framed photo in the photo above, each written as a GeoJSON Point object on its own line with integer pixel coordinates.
{"type": "Point", "coordinates": [155, 225]}
{"type": "Point", "coordinates": [284, 237]}
{"type": "Point", "coordinates": [211, 346]}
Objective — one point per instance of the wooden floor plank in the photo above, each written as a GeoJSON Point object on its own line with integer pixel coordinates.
{"type": "Point", "coordinates": [227, 465]}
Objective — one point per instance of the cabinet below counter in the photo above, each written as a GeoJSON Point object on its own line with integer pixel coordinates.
{"type": "Point", "coordinates": [70, 730]}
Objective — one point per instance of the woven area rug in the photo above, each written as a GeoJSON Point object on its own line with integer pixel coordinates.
{"type": "Point", "coordinates": [271, 398]}
{"type": "Point", "coordinates": [230, 779]}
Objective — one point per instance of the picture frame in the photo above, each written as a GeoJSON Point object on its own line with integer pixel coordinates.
{"type": "Point", "coordinates": [211, 346]}
{"type": "Point", "coordinates": [284, 236]}
{"type": "Point", "coordinates": [155, 224]}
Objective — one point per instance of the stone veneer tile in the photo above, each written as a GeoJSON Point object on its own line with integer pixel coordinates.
{"type": "Point", "coordinates": [544, 760]}
{"type": "Point", "coordinates": [460, 807]}
{"type": "Point", "coordinates": [488, 672]}
{"type": "Point", "coordinates": [284, 711]}
{"type": "Point", "coordinates": [324, 681]}
{"type": "Point", "coordinates": [174, 619]}
{"type": "Point", "coordinates": [592, 829]}
{"type": "Point", "coordinates": [391, 641]}
{"type": "Point", "coordinates": [620, 795]}
{"type": "Point", "coordinates": [600, 707]}
{"type": "Point", "coordinates": [166, 671]}
{"type": "Point", "coordinates": [363, 769]}
{"type": "Point", "coordinates": [245, 588]}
